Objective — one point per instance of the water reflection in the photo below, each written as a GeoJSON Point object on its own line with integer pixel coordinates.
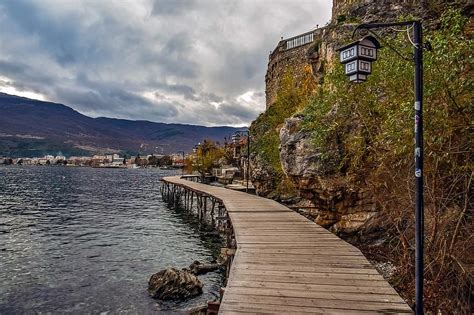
{"type": "Point", "coordinates": [86, 240]}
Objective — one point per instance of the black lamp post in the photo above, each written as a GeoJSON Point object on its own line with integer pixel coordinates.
{"type": "Point", "coordinates": [197, 147]}
{"type": "Point", "coordinates": [357, 58]}
{"type": "Point", "coordinates": [235, 138]}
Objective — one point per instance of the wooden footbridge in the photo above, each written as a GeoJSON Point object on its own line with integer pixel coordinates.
{"type": "Point", "coordinates": [284, 263]}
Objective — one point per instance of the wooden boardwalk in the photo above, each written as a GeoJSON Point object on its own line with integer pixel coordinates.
{"type": "Point", "coordinates": [286, 264]}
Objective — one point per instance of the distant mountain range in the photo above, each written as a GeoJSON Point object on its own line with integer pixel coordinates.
{"type": "Point", "coordinates": [34, 128]}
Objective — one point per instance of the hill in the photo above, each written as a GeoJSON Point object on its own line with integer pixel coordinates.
{"type": "Point", "coordinates": [33, 128]}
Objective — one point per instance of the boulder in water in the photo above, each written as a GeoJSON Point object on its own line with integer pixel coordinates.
{"type": "Point", "coordinates": [199, 268]}
{"type": "Point", "coordinates": [174, 284]}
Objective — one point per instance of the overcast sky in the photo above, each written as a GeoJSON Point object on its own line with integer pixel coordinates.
{"type": "Point", "coordinates": [186, 61]}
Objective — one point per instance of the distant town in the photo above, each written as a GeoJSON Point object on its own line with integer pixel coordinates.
{"type": "Point", "coordinates": [105, 161]}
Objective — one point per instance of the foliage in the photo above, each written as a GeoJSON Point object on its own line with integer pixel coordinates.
{"type": "Point", "coordinates": [208, 156]}
{"type": "Point", "coordinates": [341, 18]}
{"type": "Point", "coordinates": [291, 97]}
{"type": "Point", "coordinates": [373, 123]}
{"type": "Point", "coordinates": [165, 160]}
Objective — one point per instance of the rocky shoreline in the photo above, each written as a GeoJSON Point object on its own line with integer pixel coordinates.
{"type": "Point", "coordinates": [172, 284]}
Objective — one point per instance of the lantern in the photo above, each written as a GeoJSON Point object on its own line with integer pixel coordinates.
{"type": "Point", "coordinates": [235, 138]}
{"type": "Point", "coordinates": [357, 58]}
{"type": "Point", "coordinates": [196, 147]}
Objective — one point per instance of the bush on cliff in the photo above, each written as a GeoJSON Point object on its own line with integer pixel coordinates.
{"type": "Point", "coordinates": [374, 125]}
{"type": "Point", "coordinates": [291, 97]}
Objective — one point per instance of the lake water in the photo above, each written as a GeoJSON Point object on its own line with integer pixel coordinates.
{"type": "Point", "coordinates": [84, 240]}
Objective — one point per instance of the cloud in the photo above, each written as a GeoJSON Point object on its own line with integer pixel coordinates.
{"type": "Point", "coordinates": [172, 8]}
{"type": "Point", "coordinates": [172, 61]}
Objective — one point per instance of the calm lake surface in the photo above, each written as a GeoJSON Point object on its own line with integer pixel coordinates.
{"type": "Point", "coordinates": [84, 240]}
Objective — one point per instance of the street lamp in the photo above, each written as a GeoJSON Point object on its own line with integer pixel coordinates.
{"type": "Point", "coordinates": [235, 139]}
{"type": "Point", "coordinates": [200, 147]}
{"type": "Point", "coordinates": [357, 58]}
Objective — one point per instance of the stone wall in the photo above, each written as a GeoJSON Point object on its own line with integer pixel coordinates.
{"type": "Point", "coordinates": [283, 59]}
{"type": "Point", "coordinates": [345, 14]}
{"type": "Point", "coordinates": [341, 7]}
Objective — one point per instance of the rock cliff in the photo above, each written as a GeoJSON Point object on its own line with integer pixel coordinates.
{"type": "Point", "coordinates": [342, 201]}
{"type": "Point", "coordinates": [344, 152]}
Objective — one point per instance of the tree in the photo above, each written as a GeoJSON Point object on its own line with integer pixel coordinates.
{"type": "Point", "coordinates": [153, 160]}
{"type": "Point", "coordinates": [165, 161]}
{"type": "Point", "coordinates": [208, 156]}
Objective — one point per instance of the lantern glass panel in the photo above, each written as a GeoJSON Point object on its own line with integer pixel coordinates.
{"type": "Point", "coordinates": [365, 66]}
{"type": "Point", "coordinates": [367, 52]}
{"type": "Point", "coordinates": [357, 78]}
{"type": "Point", "coordinates": [348, 53]}
{"type": "Point", "coordinates": [235, 138]}
{"type": "Point", "coordinates": [351, 67]}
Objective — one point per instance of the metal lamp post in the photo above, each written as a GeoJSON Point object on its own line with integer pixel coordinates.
{"type": "Point", "coordinates": [237, 136]}
{"type": "Point", "coordinates": [195, 150]}
{"type": "Point", "coordinates": [357, 58]}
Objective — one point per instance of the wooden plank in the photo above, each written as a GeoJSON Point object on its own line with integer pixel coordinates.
{"type": "Point", "coordinates": [305, 268]}
{"type": "Point", "coordinates": [316, 275]}
{"type": "Point", "coordinates": [312, 287]}
{"type": "Point", "coordinates": [269, 232]}
{"type": "Point", "coordinates": [258, 210]}
{"type": "Point", "coordinates": [310, 279]}
{"type": "Point", "coordinates": [294, 265]}
{"type": "Point", "coordinates": [307, 259]}
{"type": "Point", "coordinates": [308, 246]}
{"type": "Point", "coordinates": [285, 263]}
{"type": "Point", "coordinates": [340, 296]}
{"type": "Point", "coordinates": [325, 304]}
{"type": "Point", "coordinates": [276, 239]}
{"type": "Point", "coordinates": [244, 307]}
{"type": "Point", "coordinates": [339, 254]}
{"type": "Point", "coordinates": [239, 307]}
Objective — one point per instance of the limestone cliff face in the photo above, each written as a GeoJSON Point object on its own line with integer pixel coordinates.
{"type": "Point", "coordinates": [262, 176]}
{"type": "Point", "coordinates": [376, 10]}
{"type": "Point", "coordinates": [343, 203]}
{"type": "Point", "coordinates": [345, 151]}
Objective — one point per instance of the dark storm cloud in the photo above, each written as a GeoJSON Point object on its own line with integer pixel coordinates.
{"type": "Point", "coordinates": [117, 103]}
{"type": "Point", "coordinates": [59, 37]}
{"type": "Point", "coordinates": [187, 91]}
{"type": "Point", "coordinates": [200, 62]}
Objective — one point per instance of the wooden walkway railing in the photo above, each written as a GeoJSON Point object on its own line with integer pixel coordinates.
{"type": "Point", "coordinates": [286, 264]}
